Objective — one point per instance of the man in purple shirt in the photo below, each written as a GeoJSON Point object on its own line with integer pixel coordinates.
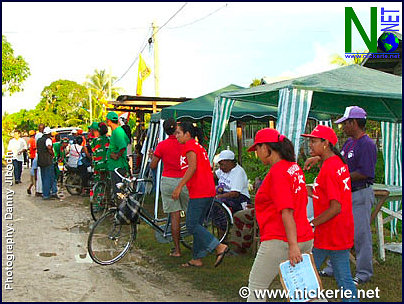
{"type": "Point", "coordinates": [360, 153]}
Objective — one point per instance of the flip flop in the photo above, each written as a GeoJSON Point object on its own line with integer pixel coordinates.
{"type": "Point", "coordinates": [175, 256]}
{"type": "Point", "coordinates": [220, 256]}
{"type": "Point", "coordinates": [188, 264]}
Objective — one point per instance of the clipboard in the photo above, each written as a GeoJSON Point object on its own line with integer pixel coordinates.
{"type": "Point", "coordinates": [303, 276]}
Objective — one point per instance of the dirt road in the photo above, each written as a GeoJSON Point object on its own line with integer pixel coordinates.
{"type": "Point", "coordinates": [45, 257]}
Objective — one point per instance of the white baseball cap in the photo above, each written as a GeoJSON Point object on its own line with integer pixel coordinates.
{"type": "Point", "coordinates": [225, 155]}
{"type": "Point", "coordinates": [47, 130]}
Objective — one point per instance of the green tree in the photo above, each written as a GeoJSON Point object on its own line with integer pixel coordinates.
{"type": "Point", "coordinates": [64, 104]}
{"type": "Point", "coordinates": [339, 60]}
{"type": "Point", "coordinates": [14, 70]}
{"type": "Point", "coordinates": [100, 84]}
{"type": "Point", "coordinates": [255, 83]}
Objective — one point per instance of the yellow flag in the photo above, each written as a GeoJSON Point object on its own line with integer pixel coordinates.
{"type": "Point", "coordinates": [142, 73]}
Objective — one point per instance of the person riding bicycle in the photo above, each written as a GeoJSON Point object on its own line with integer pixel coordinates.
{"type": "Point", "coordinates": [116, 154]}
{"type": "Point", "coordinates": [99, 146]}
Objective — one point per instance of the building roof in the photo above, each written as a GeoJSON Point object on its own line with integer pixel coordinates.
{"type": "Point", "coordinates": [387, 65]}
{"type": "Point", "coordinates": [130, 103]}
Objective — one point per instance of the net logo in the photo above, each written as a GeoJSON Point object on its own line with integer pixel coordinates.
{"type": "Point", "coordinates": [389, 21]}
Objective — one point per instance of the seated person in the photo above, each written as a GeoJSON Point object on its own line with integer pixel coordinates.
{"type": "Point", "coordinates": [232, 187]}
{"type": "Point", "coordinates": [232, 180]}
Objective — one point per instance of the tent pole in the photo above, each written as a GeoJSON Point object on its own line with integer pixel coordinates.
{"type": "Point", "coordinates": [239, 141]}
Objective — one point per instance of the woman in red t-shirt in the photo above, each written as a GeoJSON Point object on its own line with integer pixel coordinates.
{"type": "Point", "coordinates": [332, 204]}
{"type": "Point", "coordinates": [280, 208]}
{"type": "Point", "coordinates": [199, 180]}
{"type": "Point", "coordinates": [169, 152]}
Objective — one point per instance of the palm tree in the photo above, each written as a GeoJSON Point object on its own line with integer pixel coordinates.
{"type": "Point", "coordinates": [100, 84]}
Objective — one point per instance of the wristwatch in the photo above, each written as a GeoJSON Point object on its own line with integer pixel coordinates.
{"type": "Point", "coordinates": [312, 225]}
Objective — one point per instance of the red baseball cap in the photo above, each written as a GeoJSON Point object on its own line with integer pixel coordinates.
{"type": "Point", "coordinates": [266, 135]}
{"type": "Point", "coordinates": [324, 133]}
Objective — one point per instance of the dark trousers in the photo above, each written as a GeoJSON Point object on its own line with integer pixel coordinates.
{"type": "Point", "coordinates": [116, 179]}
{"type": "Point", "coordinates": [17, 170]}
{"type": "Point", "coordinates": [85, 175]}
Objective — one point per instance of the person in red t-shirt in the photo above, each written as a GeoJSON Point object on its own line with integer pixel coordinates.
{"type": "Point", "coordinates": [280, 208]}
{"type": "Point", "coordinates": [32, 146]}
{"type": "Point", "coordinates": [199, 180]}
{"type": "Point", "coordinates": [332, 204]}
{"type": "Point", "coordinates": [169, 151]}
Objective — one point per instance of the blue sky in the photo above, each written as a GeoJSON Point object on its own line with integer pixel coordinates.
{"type": "Point", "coordinates": [237, 43]}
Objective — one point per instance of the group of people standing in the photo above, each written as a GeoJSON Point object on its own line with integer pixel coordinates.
{"type": "Point", "coordinates": [342, 193]}
{"type": "Point", "coordinates": [98, 150]}
{"type": "Point", "coordinates": [342, 198]}
{"type": "Point", "coordinates": [342, 201]}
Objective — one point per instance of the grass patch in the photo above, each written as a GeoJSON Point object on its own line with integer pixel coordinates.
{"type": "Point", "coordinates": [225, 281]}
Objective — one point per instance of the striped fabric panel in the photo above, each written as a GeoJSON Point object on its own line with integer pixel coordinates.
{"type": "Point", "coordinates": [293, 110]}
{"type": "Point", "coordinates": [392, 149]}
{"type": "Point", "coordinates": [221, 115]}
{"type": "Point", "coordinates": [161, 136]}
{"type": "Point", "coordinates": [150, 142]}
{"type": "Point", "coordinates": [326, 123]}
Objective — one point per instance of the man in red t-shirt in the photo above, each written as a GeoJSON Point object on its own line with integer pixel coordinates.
{"type": "Point", "coordinates": [169, 151]}
{"type": "Point", "coordinates": [32, 146]}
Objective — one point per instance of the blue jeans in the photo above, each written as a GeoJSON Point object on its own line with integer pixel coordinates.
{"type": "Point", "coordinates": [204, 241]}
{"type": "Point", "coordinates": [342, 271]}
{"type": "Point", "coordinates": [17, 170]}
{"type": "Point", "coordinates": [48, 181]}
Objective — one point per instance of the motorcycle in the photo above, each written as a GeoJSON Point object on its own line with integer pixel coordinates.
{"type": "Point", "coordinates": [72, 180]}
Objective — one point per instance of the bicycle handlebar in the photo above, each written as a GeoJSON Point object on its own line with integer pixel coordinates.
{"type": "Point", "coordinates": [134, 179]}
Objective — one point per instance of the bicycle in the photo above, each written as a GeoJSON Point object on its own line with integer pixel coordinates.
{"type": "Point", "coordinates": [113, 234]}
{"type": "Point", "coordinates": [101, 196]}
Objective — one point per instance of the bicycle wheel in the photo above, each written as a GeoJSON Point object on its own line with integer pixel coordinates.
{"type": "Point", "coordinates": [109, 240]}
{"type": "Point", "coordinates": [98, 200]}
{"type": "Point", "coordinates": [73, 184]}
{"type": "Point", "coordinates": [218, 221]}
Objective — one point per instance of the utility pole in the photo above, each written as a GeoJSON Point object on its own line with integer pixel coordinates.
{"type": "Point", "coordinates": [156, 66]}
{"type": "Point", "coordinates": [91, 106]}
{"type": "Point", "coordinates": [110, 84]}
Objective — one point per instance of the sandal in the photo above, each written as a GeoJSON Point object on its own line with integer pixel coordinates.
{"type": "Point", "coordinates": [220, 256]}
{"type": "Point", "coordinates": [189, 264]}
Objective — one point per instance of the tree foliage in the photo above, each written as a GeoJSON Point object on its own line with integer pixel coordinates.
{"type": "Point", "coordinates": [100, 84]}
{"type": "Point", "coordinates": [63, 102]}
{"type": "Point", "coordinates": [337, 59]}
{"type": "Point", "coordinates": [255, 83]}
{"type": "Point", "coordinates": [14, 70]}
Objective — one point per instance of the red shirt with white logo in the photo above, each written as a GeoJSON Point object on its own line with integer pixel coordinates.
{"type": "Point", "coordinates": [284, 187]}
{"type": "Point", "coordinates": [333, 183]}
{"type": "Point", "coordinates": [202, 184]}
{"type": "Point", "coordinates": [169, 151]}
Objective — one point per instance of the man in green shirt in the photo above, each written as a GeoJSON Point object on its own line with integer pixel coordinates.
{"type": "Point", "coordinates": [116, 153]}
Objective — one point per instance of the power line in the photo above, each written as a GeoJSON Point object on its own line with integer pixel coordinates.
{"type": "Point", "coordinates": [149, 41]}
{"type": "Point", "coordinates": [200, 19]}
{"type": "Point", "coordinates": [170, 18]}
